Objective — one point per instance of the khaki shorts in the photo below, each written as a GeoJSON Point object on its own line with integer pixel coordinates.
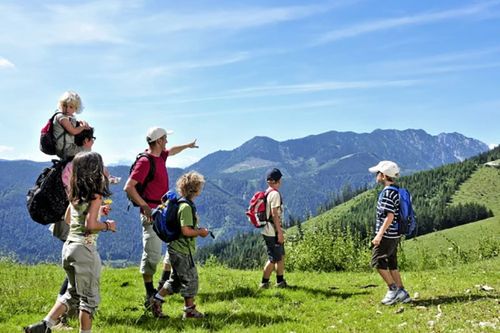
{"type": "Point", "coordinates": [83, 268]}
{"type": "Point", "coordinates": [151, 253]}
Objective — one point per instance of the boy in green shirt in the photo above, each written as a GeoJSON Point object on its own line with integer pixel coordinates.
{"type": "Point", "coordinates": [184, 277]}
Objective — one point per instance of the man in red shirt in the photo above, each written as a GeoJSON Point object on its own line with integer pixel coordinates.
{"type": "Point", "coordinates": [151, 197]}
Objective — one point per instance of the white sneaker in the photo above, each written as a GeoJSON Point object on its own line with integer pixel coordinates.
{"type": "Point", "coordinates": [390, 297]}
{"type": "Point", "coordinates": [403, 296]}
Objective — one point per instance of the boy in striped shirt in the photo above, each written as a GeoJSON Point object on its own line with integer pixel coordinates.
{"type": "Point", "coordinates": [386, 240]}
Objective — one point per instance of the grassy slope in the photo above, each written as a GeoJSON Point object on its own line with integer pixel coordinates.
{"type": "Point", "coordinates": [316, 302]}
{"type": "Point", "coordinates": [483, 187]}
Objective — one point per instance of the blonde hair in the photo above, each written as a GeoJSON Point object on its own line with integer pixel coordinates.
{"type": "Point", "coordinates": [190, 184]}
{"type": "Point", "coordinates": [70, 98]}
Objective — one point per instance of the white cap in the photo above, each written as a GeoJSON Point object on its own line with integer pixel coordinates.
{"type": "Point", "coordinates": [154, 133]}
{"type": "Point", "coordinates": [388, 168]}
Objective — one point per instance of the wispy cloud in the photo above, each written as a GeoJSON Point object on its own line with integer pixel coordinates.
{"type": "Point", "coordinates": [384, 24]}
{"type": "Point", "coordinates": [294, 89]}
{"type": "Point", "coordinates": [6, 149]}
{"type": "Point", "coordinates": [274, 108]}
{"type": "Point", "coordinates": [4, 63]}
{"type": "Point", "coordinates": [444, 63]}
{"type": "Point", "coordinates": [317, 87]}
{"type": "Point", "coordinates": [234, 19]}
{"type": "Point", "coordinates": [61, 24]}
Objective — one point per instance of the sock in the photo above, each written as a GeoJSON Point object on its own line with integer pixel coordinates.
{"type": "Point", "coordinates": [165, 276]}
{"type": "Point", "coordinates": [159, 297]}
{"type": "Point", "coordinates": [279, 278]}
{"type": "Point", "coordinates": [265, 280]}
{"type": "Point", "coordinates": [393, 287]}
{"type": "Point", "coordinates": [189, 308]}
{"type": "Point", "coordinates": [64, 287]}
{"type": "Point", "coordinates": [86, 331]}
{"type": "Point", "coordinates": [49, 322]}
{"type": "Point", "coordinates": [150, 289]}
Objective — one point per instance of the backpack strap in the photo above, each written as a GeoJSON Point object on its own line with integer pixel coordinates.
{"type": "Point", "coordinates": [191, 204]}
{"type": "Point", "coordinates": [270, 218]}
{"type": "Point", "coordinates": [150, 175]}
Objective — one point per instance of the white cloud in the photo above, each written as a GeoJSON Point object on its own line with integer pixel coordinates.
{"type": "Point", "coordinates": [6, 149]}
{"type": "Point", "coordinates": [493, 145]}
{"type": "Point", "coordinates": [384, 24]}
{"type": "Point", "coordinates": [4, 63]}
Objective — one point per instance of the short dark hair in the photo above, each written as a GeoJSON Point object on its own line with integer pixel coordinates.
{"type": "Point", "coordinates": [273, 174]}
{"type": "Point", "coordinates": [85, 134]}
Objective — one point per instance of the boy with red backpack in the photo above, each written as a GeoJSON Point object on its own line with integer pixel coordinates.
{"type": "Point", "coordinates": [272, 232]}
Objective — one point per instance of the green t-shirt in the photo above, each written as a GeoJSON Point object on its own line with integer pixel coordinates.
{"type": "Point", "coordinates": [185, 244]}
{"type": "Point", "coordinates": [77, 231]}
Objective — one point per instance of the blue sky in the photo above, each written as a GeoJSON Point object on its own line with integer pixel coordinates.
{"type": "Point", "coordinates": [226, 71]}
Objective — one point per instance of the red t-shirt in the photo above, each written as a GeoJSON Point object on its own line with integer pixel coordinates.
{"type": "Point", "coordinates": [158, 186]}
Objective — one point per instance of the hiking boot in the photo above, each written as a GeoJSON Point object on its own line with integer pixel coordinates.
{"type": "Point", "coordinates": [192, 313]}
{"type": "Point", "coordinates": [282, 284]}
{"type": "Point", "coordinates": [40, 327]}
{"type": "Point", "coordinates": [264, 285]}
{"type": "Point", "coordinates": [403, 296]}
{"type": "Point", "coordinates": [155, 305]}
{"type": "Point", "coordinates": [390, 297]}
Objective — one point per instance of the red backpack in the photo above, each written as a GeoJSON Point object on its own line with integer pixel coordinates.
{"type": "Point", "coordinates": [256, 211]}
{"type": "Point", "coordinates": [47, 139]}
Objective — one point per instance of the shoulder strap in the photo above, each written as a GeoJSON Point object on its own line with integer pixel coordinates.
{"type": "Point", "coordinates": [190, 203]}
{"type": "Point", "coordinates": [152, 168]}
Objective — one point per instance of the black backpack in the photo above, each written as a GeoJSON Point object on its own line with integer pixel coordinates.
{"type": "Point", "coordinates": [47, 139]}
{"type": "Point", "coordinates": [165, 222]}
{"type": "Point", "coordinates": [140, 187]}
{"type": "Point", "coordinates": [47, 200]}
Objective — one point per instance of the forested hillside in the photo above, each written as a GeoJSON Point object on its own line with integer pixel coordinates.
{"type": "Point", "coordinates": [346, 229]}
{"type": "Point", "coordinates": [318, 169]}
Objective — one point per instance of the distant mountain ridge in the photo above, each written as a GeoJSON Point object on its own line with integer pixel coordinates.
{"type": "Point", "coordinates": [314, 168]}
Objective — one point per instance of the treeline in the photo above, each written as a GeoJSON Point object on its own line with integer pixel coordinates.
{"type": "Point", "coordinates": [339, 238]}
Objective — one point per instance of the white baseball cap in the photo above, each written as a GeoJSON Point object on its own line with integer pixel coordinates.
{"type": "Point", "coordinates": [154, 133]}
{"type": "Point", "coordinates": [388, 168]}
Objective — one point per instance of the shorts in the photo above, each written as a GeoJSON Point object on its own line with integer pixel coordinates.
{"type": "Point", "coordinates": [184, 277]}
{"type": "Point", "coordinates": [166, 259]}
{"type": "Point", "coordinates": [385, 255]}
{"type": "Point", "coordinates": [82, 264]}
{"type": "Point", "coordinates": [151, 253]}
{"type": "Point", "coordinates": [275, 250]}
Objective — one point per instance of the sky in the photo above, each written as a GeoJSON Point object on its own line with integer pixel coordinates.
{"type": "Point", "coordinates": [223, 72]}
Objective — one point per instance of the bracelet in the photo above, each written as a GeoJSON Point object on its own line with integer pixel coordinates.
{"type": "Point", "coordinates": [107, 225]}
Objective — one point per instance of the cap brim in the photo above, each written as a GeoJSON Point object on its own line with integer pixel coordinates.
{"type": "Point", "coordinates": [169, 132]}
{"type": "Point", "coordinates": [374, 169]}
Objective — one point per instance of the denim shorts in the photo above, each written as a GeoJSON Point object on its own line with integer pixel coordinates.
{"type": "Point", "coordinates": [275, 250]}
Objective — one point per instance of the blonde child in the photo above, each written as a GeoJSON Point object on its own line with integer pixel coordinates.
{"type": "Point", "coordinates": [184, 277]}
{"type": "Point", "coordinates": [66, 126]}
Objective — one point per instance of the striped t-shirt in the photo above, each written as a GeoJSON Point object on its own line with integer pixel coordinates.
{"type": "Point", "coordinates": [388, 202]}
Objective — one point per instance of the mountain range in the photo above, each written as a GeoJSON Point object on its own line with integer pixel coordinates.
{"type": "Point", "coordinates": [315, 168]}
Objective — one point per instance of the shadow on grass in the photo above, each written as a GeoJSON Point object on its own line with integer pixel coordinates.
{"type": "Point", "coordinates": [258, 293]}
{"type": "Point", "coordinates": [452, 299]}
{"type": "Point", "coordinates": [212, 321]}
{"type": "Point", "coordinates": [332, 292]}
{"type": "Point", "coordinates": [237, 292]}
